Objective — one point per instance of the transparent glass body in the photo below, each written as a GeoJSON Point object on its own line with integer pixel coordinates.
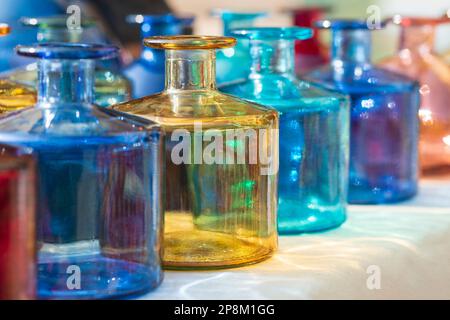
{"type": "Point", "coordinates": [14, 96]}
{"type": "Point", "coordinates": [417, 60]}
{"type": "Point", "coordinates": [99, 180]}
{"type": "Point", "coordinates": [110, 86]}
{"type": "Point", "coordinates": [147, 72]}
{"type": "Point", "coordinates": [314, 132]}
{"type": "Point", "coordinates": [384, 122]}
{"type": "Point", "coordinates": [233, 63]}
{"type": "Point", "coordinates": [221, 212]}
{"type": "Point", "coordinates": [17, 224]}
{"type": "Point", "coordinates": [310, 53]}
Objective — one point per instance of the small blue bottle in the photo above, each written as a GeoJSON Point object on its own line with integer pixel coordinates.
{"type": "Point", "coordinates": [99, 180]}
{"type": "Point", "coordinates": [313, 133]}
{"type": "Point", "coordinates": [147, 73]}
{"type": "Point", "coordinates": [233, 63]}
{"type": "Point", "coordinates": [384, 122]}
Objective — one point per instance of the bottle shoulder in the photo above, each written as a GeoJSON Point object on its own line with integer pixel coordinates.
{"type": "Point", "coordinates": [74, 120]}
{"type": "Point", "coordinates": [188, 106]}
{"type": "Point", "coordinates": [361, 79]}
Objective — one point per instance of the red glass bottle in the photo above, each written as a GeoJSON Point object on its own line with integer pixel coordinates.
{"type": "Point", "coordinates": [17, 227]}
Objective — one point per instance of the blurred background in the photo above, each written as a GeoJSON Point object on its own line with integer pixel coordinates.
{"type": "Point", "coordinates": [111, 14]}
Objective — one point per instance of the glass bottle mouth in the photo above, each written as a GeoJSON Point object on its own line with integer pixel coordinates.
{"type": "Point", "coordinates": [4, 29]}
{"type": "Point", "coordinates": [188, 42]}
{"type": "Point", "coordinates": [347, 24]}
{"type": "Point", "coordinates": [160, 19]}
{"type": "Point", "coordinates": [417, 21]}
{"type": "Point", "coordinates": [54, 22]}
{"type": "Point", "coordinates": [236, 15]}
{"type": "Point", "coordinates": [69, 51]}
{"type": "Point", "coordinates": [270, 33]}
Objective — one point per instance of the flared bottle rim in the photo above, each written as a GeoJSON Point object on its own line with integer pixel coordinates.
{"type": "Point", "coordinates": [188, 42]}
{"type": "Point", "coordinates": [226, 14]}
{"type": "Point", "coordinates": [167, 18]}
{"type": "Point", "coordinates": [348, 24]}
{"type": "Point", "coordinates": [274, 33]}
{"type": "Point", "coordinates": [4, 29]}
{"type": "Point", "coordinates": [70, 51]}
{"type": "Point", "coordinates": [410, 21]}
{"type": "Point", "coordinates": [54, 22]}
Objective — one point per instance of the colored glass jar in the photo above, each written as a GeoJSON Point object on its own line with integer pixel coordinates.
{"type": "Point", "coordinates": [417, 60]}
{"type": "Point", "coordinates": [110, 86]}
{"type": "Point", "coordinates": [314, 131]}
{"type": "Point", "coordinates": [99, 201]}
{"type": "Point", "coordinates": [17, 224]}
{"type": "Point", "coordinates": [384, 122]}
{"type": "Point", "coordinates": [310, 53]}
{"type": "Point", "coordinates": [233, 63]}
{"type": "Point", "coordinates": [147, 72]}
{"type": "Point", "coordinates": [14, 96]}
{"type": "Point", "coordinates": [221, 197]}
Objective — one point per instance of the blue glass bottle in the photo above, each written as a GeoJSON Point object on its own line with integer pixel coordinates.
{"type": "Point", "coordinates": [99, 201]}
{"type": "Point", "coordinates": [234, 63]}
{"type": "Point", "coordinates": [147, 72]}
{"type": "Point", "coordinates": [314, 125]}
{"type": "Point", "coordinates": [384, 123]}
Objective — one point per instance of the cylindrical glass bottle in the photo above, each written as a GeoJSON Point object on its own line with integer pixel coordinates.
{"type": "Point", "coordinates": [147, 72]}
{"type": "Point", "coordinates": [17, 224]}
{"type": "Point", "coordinates": [14, 96]}
{"type": "Point", "coordinates": [314, 134]}
{"type": "Point", "coordinates": [384, 122]}
{"type": "Point", "coordinates": [416, 59]}
{"type": "Point", "coordinates": [99, 177]}
{"type": "Point", "coordinates": [221, 159]}
{"type": "Point", "coordinates": [110, 85]}
{"type": "Point", "coordinates": [233, 63]}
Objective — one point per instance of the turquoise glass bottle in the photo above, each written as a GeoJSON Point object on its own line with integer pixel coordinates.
{"type": "Point", "coordinates": [147, 72]}
{"type": "Point", "coordinates": [384, 121]}
{"type": "Point", "coordinates": [234, 63]}
{"type": "Point", "coordinates": [99, 179]}
{"type": "Point", "coordinates": [314, 137]}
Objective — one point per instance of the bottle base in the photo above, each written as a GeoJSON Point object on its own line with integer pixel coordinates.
{"type": "Point", "coordinates": [93, 276]}
{"type": "Point", "coordinates": [363, 194]}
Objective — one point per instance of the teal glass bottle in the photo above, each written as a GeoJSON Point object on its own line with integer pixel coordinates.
{"type": "Point", "coordinates": [234, 63]}
{"type": "Point", "coordinates": [99, 206]}
{"type": "Point", "coordinates": [314, 131]}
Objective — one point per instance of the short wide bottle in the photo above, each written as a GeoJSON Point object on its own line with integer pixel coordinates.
{"type": "Point", "coordinates": [99, 201]}
{"type": "Point", "coordinates": [314, 135]}
{"type": "Point", "coordinates": [383, 116]}
{"type": "Point", "coordinates": [221, 159]}
{"type": "Point", "coordinates": [17, 224]}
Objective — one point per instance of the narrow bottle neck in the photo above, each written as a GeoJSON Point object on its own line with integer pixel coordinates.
{"type": "Point", "coordinates": [277, 56]}
{"type": "Point", "coordinates": [190, 70]}
{"type": "Point", "coordinates": [65, 81]}
{"type": "Point", "coordinates": [417, 38]}
{"type": "Point", "coordinates": [59, 35]}
{"type": "Point", "coordinates": [351, 47]}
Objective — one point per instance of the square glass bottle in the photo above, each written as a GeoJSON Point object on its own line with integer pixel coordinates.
{"type": "Point", "coordinates": [221, 191]}
{"type": "Point", "coordinates": [147, 72]}
{"type": "Point", "coordinates": [383, 116]}
{"type": "Point", "coordinates": [17, 223]}
{"type": "Point", "coordinates": [110, 85]}
{"type": "Point", "coordinates": [13, 95]}
{"type": "Point", "coordinates": [314, 131]}
{"type": "Point", "coordinates": [99, 178]}
{"type": "Point", "coordinates": [417, 59]}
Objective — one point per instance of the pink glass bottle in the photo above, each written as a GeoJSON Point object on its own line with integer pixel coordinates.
{"type": "Point", "coordinates": [17, 228]}
{"type": "Point", "coordinates": [416, 59]}
{"type": "Point", "coordinates": [309, 54]}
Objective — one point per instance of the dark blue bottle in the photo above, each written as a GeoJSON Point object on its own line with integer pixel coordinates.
{"type": "Point", "coordinates": [147, 73]}
{"type": "Point", "coordinates": [384, 123]}
{"type": "Point", "coordinates": [99, 201]}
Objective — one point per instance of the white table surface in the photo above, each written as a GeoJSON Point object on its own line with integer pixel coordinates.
{"type": "Point", "coordinates": [408, 242]}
